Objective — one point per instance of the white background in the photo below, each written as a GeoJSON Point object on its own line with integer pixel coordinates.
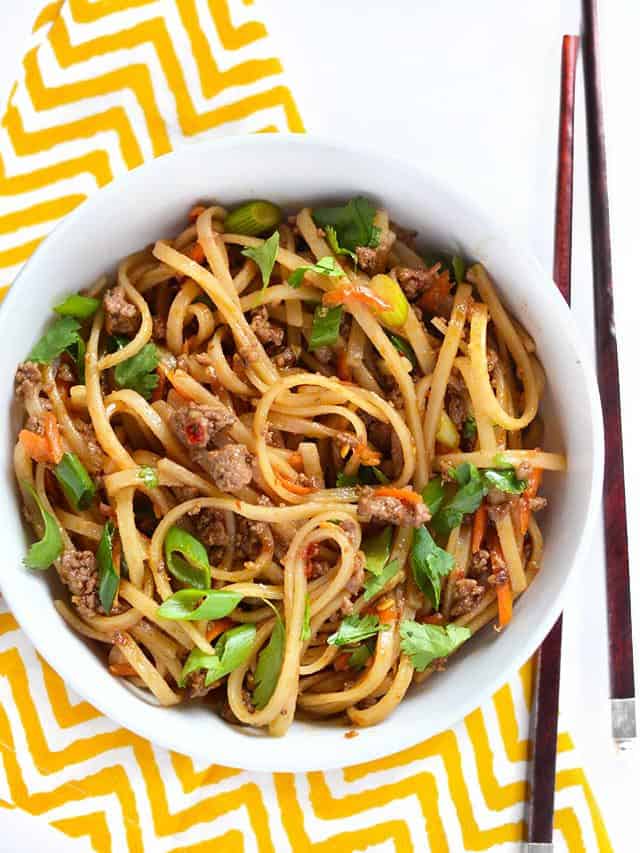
{"type": "Point", "coordinates": [470, 89]}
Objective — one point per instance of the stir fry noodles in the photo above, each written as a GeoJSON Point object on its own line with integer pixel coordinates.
{"type": "Point", "coordinates": [287, 463]}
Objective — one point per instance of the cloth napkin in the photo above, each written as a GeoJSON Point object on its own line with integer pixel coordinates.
{"type": "Point", "coordinates": [105, 85]}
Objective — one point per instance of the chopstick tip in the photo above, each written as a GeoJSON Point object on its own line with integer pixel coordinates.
{"type": "Point", "coordinates": [623, 722]}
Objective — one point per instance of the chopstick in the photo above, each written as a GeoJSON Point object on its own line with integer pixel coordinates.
{"type": "Point", "coordinates": [622, 690]}
{"type": "Point", "coordinates": [545, 714]}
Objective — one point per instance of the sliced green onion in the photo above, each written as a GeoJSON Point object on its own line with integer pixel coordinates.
{"type": "Point", "coordinates": [326, 326]}
{"type": "Point", "coordinates": [76, 305]}
{"type": "Point", "coordinates": [108, 578]}
{"type": "Point", "coordinates": [79, 358]}
{"type": "Point", "coordinates": [403, 348]}
{"type": "Point", "coordinates": [192, 567]}
{"type": "Point", "coordinates": [231, 651]}
{"type": "Point", "coordinates": [253, 218]}
{"type": "Point", "coordinates": [44, 552]}
{"type": "Point", "coordinates": [305, 633]}
{"type": "Point", "coordinates": [269, 665]}
{"type": "Point", "coordinates": [194, 604]}
{"type": "Point", "coordinates": [390, 291]}
{"type": "Point", "coordinates": [149, 476]}
{"type": "Point", "coordinates": [376, 551]}
{"type": "Point", "coordinates": [359, 657]}
{"type": "Point", "coordinates": [458, 268]}
{"type": "Point", "coordinates": [77, 485]}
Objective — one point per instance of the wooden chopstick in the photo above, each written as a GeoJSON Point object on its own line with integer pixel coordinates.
{"type": "Point", "coordinates": [545, 715]}
{"type": "Point", "coordinates": [622, 689]}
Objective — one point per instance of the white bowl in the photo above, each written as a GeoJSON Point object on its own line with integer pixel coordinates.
{"type": "Point", "coordinates": [151, 202]}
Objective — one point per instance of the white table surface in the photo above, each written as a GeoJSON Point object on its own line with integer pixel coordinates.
{"type": "Point", "coordinates": [470, 90]}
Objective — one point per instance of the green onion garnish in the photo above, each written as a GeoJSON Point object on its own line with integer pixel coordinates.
{"type": "Point", "coordinates": [77, 485]}
{"type": "Point", "coordinates": [75, 305]}
{"type": "Point", "coordinates": [231, 651]}
{"type": "Point", "coordinates": [192, 566]}
{"type": "Point", "coordinates": [193, 604]}
{"type": "Point", "coordinates": [108, 578]}
{"type": "Point", "coordinates": [253, 218]}
{"type": "Point", "coordinates": [41, 554]}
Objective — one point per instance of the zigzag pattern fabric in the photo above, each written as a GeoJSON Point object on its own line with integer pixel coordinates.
{"type": "Point", "coordinates": [104, 86]}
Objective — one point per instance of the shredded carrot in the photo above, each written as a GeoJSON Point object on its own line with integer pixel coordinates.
{"type": "Point", "coordinates": [401, 494]}
{"type": "Point", "coordinates": [196, 253]}
{"type": "Point", "coordinates": [358, 293]}
{"type": "Point", "coordinates": [296, 488]}
{"type": "Point", "coordinates": [386, 610]}
{"type": "Point", "coordinates": [342, 366]}
{"type": "Point", "coordinates": [367, 455]}
{"type": "Point", "coordinates": [530, 492]}
{"type": "Point", "coordinates": [52, 434]}
{"type": "Point", "coordinates": [123, 669]}
{"type": "Point", "coordinates": [505, 604]}
{"type": "Point", "coordinates": [435, 299]}
{"type": "Point", "coordinates": [195, 212]}
{"type": "Point", "coordinates": [35, 446]}
{"type": "Point", "coordinates": [158, 391]}
{"type": "Point", "coordinates": [296, 461]}
{"type": "Point", "coordinates": [479, 527]}
{"type": "Point", "coordinates": [214, 629]}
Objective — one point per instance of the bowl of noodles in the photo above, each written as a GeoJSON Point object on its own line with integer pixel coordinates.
{"type": "Point", "coordinates": [301, 452]}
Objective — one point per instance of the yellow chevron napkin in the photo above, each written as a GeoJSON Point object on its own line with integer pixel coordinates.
{"type": "Point", "coordinates": [105, 85]}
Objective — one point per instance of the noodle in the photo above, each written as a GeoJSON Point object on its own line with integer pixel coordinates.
{"type": "Point", "coordinates": [281, 455]}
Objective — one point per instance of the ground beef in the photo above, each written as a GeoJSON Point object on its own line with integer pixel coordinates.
{"type": "Point", "coordinates": [28, 380]}
{"type": "Point", "coordinates": [479, 564]}
{"type": "Point", "coordinates": [34, 424]}
{"type": "Point", "coordinates": [196, 688]}
{"type": "Point", "coordinates": [64, 373]}
{"type": "Point", "coordinates": [121, 316]}
{"type": "Point", "coordinates": [159, 332]}
{"type": "Point", "coordinates": [266, 331]}
{"type": "Point", "coordinates": [185, 493]}
{"type": "Point", "coordinates": [324, 354]}
{"type": "Point", "coordinates": [414, 282]}
{"type": "Point", "coordinates": [537, 503]}
{"type": "Point", "coordinates": [79, 573]}
{"type": "Point", "coordinates": [285, 358]}
{"type": "Point", "coordinates": [252, 537]}
{"type": "Point", "coordinates": [196, 426]}
{"type": "Point", "coordinates": [374, 261]}
{"type": "Point", "coordinates": [229, 468]}
{"type": "Point", "coordinates": [466, 595]}
{"type": "Point", "coordinates": [210, 527]}
{"type": "Point", "coordinates": [456, 406]}
{"type": "Point", "coordinates": [391, 510]}
{"type": "Point", "coordinates": [356, 581]}
{"type": "Point", "coordinates": [524, 470]}
{"type": "Point", "coordinates": [392, 390]}
{"type": "Point", "coordinates": [405, 235]}
{"type": "Point", "coordinates": [92, 444]}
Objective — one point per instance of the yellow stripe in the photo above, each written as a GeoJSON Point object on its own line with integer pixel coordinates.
{"type": "Point", "coordinates": [93, 825]}
{"type": "Point", "coordinates": [47, 15]}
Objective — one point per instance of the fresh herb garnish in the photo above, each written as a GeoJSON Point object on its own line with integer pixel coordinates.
{"type": "Point", "coordinates": [60, 337]}
{"type": "Point", "coordinates": [470, 428]}
{"type": "Point", "coordinates": [325, 266]}
{"type": "Point", "coordinates": [269, 665]}
{"type": "Point", "coordinates": [253, 218]}
{"type": "Point", "coordinates": [149, 476]}
{"type": "Point", "coordinates": [376, 551]}
{"type": "Point", "coordinates": [187, 559]}
{"type": "Point", "coordinates": [458, 266]}
{"type": "Point", "coordinates": [353, 223]}
{"type": "Point", "coordinates": [430, 565]}
{"type": "Point", "coordinates": [426, 643]}
{"type": "Point", "coordinates": [403, 348]}
{"type": "Point", "coordinates": [375, 583]}
{"type": "Point", "coordinates": [433, 495]}
{"type": "Point", "coordinates": [139, 371]}
{"type": "Point", "coordinates": [76, 483]}
{"type": "Point", "coordinates": [505, 480]}
{"type": "Point", "coordinates": [334, 245]}
{"type": "Point", "coordinates": [354, 629]}
{"type": "Point", "coordinates": [194, 604]}
{"type": "Point", "coordinates": [368, 475]}
{"type": "Point", "coordinates": [108, 578]}
{"type": "Point", "coordinates": [325, 327]}
{"type": "Point", "coordinates": [78, 306]}
{"type": "Point", "coordinates": [359, 657]}
{"type": "Point", "coordinates": [305, 633]}
{"type": "Point", "coordinates": [231, 651]}
{"type": "Point", "coordinates": [44, 552]}
{"type": "Point", "coordinates": [265, 256]}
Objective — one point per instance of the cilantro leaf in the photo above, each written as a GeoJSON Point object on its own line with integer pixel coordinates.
{"type": "Point", "coordinates": [506, 480]}
{"type": "Point", "coordinates": [433, 495]}
{"type": "Point", "coordinates": [345, 481]}
{"type": "Point", "coordinates": [138, 372]}
{"type": "Point", "coordinates": [265, 256]}
{"type": "Point", "coordinates": [353, 223]}
{"type": "Point", "coordinates": [59, 337]}
{"type": "Point", "coordinates": [466, 500]}
{"type": "Point", "coordinates": [354, 629]}
{"type": "Point", "coordinates": [269, 664]}
{"type": "Point", "coordinates": [426, 643]}
{"type": "Point", "coordinates": [376, 551]}
{"type": "Point", "coordinates": [359, 657]}
{"type": "Point", "coordinates": [334, 245]}
{"type": "Point", "coordinates": [305, 633]}
{"type": "Point", "coordinates": [325, 327]}
{"type": "Point", "coordinates": [430, 565]}
{"type": "Point", "coordinates": [325, 266]}
{"type": "Point", "coordinates": [368, 475]}
{"type": "Point", "coordinates": [374, 583]}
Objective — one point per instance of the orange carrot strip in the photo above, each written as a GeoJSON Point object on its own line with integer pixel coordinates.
{"type": "Point", "coordinates": [52, 434]}
{"type": "Point", "coordinates": [296, 461]}
{"type": "Point", "coordinates": [123, 669]}
{"type": "Point", "coordinates": [341, 662]}
{"type": "Point", "coordinates": [296, 488]}
{"type": "Point", "coordinates": [158, 391]}
{"type": "Point", "coordinates": [367, 455]}
{"type": "Point", "coordinates": [196, 253]}
{"type": "Point", "coordinates": [342, 367]}
{"type": "Point", "coordinates": [195, 212]}
{"type": "Point", "coordinates": [357, 292]}
{"type": "Point", "coordinates": [479, 528]}
{"type": "Point", "coordinates": [36, 446]}
{"type": "Point", "coordinates": [505, 604]}
{"type": "Point", "coordinates": [530, 492]}
{"type": "Point", "coordinates": [218, 627]}
{"type": "Point", "coordinates": [400, 494]}
{"type": "Point", "coordinates": [432, 619]}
